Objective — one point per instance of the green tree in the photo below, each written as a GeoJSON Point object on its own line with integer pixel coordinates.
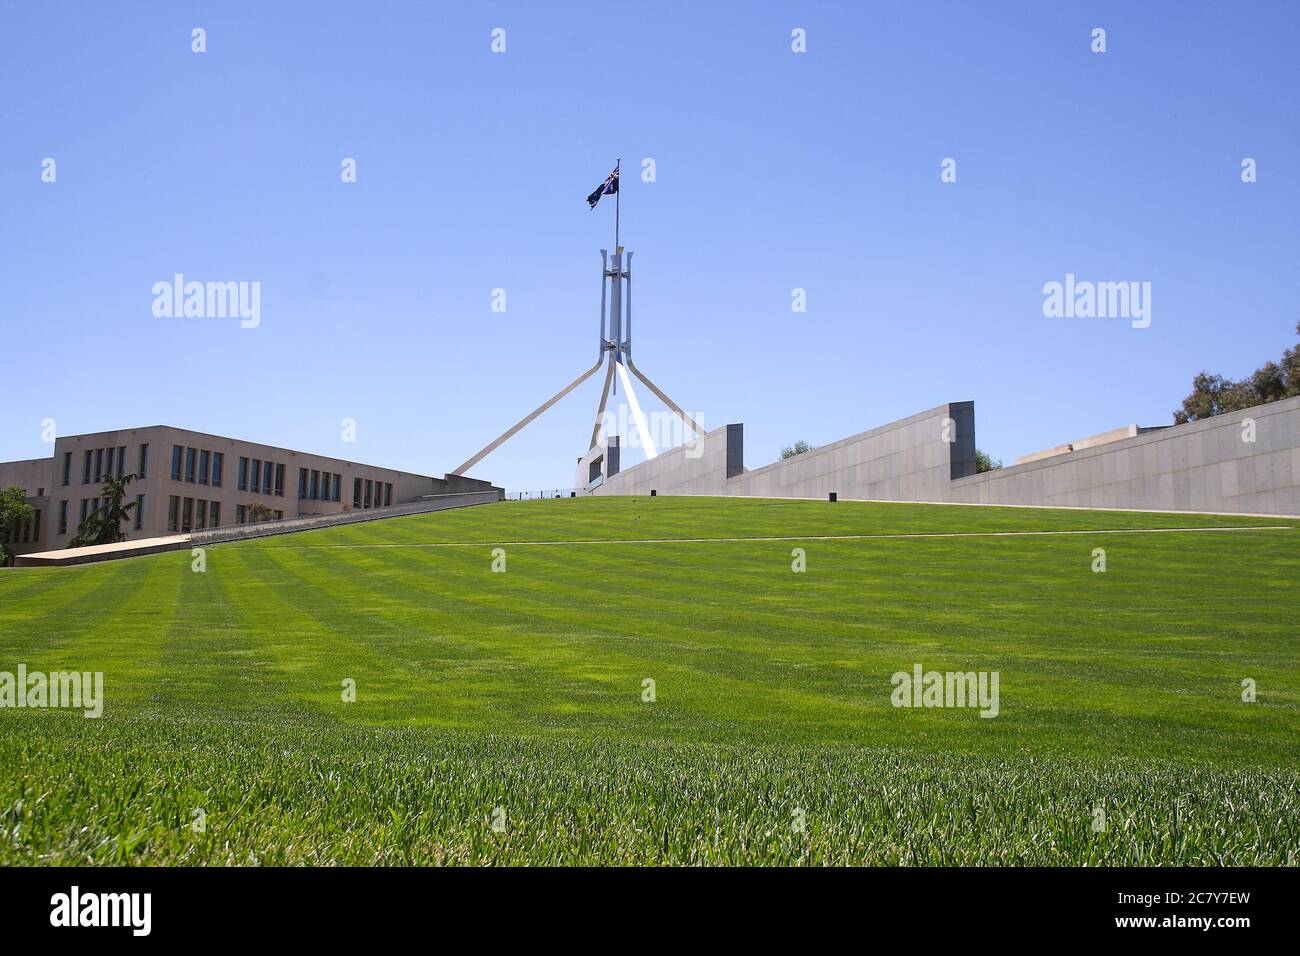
{"type": "Point", "coordinates": [984, 462]}
{"type": "Point", "coordinates": [259, 512]}
{"type": "Point", "coordinates": [1214, 395]}
{"type": "Point", "coordinates": [104, 524]}
{"type": "Point", "coordinates": [14, 510]}
{"type": "Point", "coordinates": [798, 448]}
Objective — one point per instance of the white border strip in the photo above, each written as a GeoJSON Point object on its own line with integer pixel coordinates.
{"type": "Point", "coordinates": [799, 537]}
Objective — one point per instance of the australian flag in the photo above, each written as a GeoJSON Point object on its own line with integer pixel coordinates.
{"type": "Point", "coordinates": [607, 188]}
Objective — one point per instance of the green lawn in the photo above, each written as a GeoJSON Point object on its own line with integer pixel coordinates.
{"type": "Point", "coordinates": [772, 738]}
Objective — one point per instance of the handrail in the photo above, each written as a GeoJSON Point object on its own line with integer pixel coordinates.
{"type": "Point", "coordinates": [309, 522]}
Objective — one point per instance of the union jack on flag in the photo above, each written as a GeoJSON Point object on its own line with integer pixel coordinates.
{"type": "Point", "coordinates": [607, 188]}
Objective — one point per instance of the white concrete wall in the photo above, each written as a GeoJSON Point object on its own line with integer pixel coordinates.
{"type": "Point", "coordinates": [1203, 466]}
{"type": "Point", "coordinates": [696, 469]}
{"type": "Point", "coordinates": [905, 460]}
{"type": "Point", "coordinates": [910, 459]}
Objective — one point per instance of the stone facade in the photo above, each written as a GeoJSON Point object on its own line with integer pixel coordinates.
{"type": "Point", "coordinates": [72, 475]}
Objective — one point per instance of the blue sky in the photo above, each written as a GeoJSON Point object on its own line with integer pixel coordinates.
{"type": "Point", "coordinates": [774, 171]}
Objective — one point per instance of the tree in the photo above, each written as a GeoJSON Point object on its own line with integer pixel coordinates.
{"type": "Point", "coordinates": [104, 524]}
{"type": "Point", "coordinates": [798, 448]}
{"type": "Point", "coordinates": [259, 512]}
{"type": "Point", "coordinates": [1214, 395]}
{"type": "Point", "coordinates": [984, 462]}
{"type": "Point", "coordinates": [14, 510]}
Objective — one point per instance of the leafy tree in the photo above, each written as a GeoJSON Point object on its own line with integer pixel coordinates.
{"type": "Point", "coordinates": [1213, 394]}
{"type": "Point", "coordinates": [259, 512]}
{"type": "Point", "coordinates": [798, 448]}
{"type": "Point", "coordinates": [14, 510]}
{"type": "Point", "coordinates": [104, 524]}
{"type": "Point", "coordinates": [984, 462]}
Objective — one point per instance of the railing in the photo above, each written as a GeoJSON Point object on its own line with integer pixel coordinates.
{"type": "Point", "coordinates": [544, 494]}
{"type": "Point", "coordinates": [428, 503]}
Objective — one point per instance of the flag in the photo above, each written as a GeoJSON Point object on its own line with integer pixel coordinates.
{"type": "Point", "coordinates": [607, 188]}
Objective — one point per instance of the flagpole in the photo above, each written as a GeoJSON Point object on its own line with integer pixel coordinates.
{"type": "Point", "coordinates": [617, 196]}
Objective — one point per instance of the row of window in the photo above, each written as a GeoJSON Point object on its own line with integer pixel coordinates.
{"type": "Point", "coordinates": [366, 496]}
{"type": "Point", "coordinates": [197, 465]}
{"type": "Point", "coordinates": [24, 532]}
{"type": "Point", "coordinates": [190, 514]}
{"type": "Point", "coordinates": [100, 463]}
{"type": "Point", "coordinates": [316, 485]}
{"type": "Point", "coordinates": [261, 477]}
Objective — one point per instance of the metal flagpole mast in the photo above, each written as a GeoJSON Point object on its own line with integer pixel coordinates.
{"type": "Point", "coordinates": [618, 326]}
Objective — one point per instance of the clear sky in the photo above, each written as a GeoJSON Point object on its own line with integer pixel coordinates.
{"type": "Point", "coordinates": [775, 170]}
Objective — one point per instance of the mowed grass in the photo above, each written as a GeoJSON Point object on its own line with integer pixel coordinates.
{"type": "Point", "coordinates": [772, 738]}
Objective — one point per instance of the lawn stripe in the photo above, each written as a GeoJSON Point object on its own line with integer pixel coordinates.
{"type": "Point", "coordinates": [590, 653]}
{"type": "Point", "coordinates": [314, 645]}
{"type": "Point", "coordinates": [43, 629]}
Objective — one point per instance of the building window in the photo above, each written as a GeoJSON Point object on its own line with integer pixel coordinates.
{"type": "Point", "coordinates": [67, 467]}
{"type": "Point", "coordinates": [268, 470]}
{"type": "Point", "coordinates": [279, 481]}
{"type": "Point", "coordinates": [139, 512]}
{"type": "Point", "coordinates": [338, 483]}
{"type": "Point", "coordinates": [63, 517]}
{"type": "Point", "coordinates": [279, 516]}
{"type": "Point", "coordinates": [239, 514]}
{"type": "Point", "coordinates": [36, 525]}
{"type": "Point", "coordinates": [173, 513]}
{"type": "Point", "coordinates": [200, 514]}
{"type": "Point", "coordinates": [257, 475]}
{"type": "Point", "coordinates": [315, 485]}
{"type": "Point", "coordinates": [121, 462]}
{"type": "Point", "coordinates": [388, 494]}
{"type": "Point", "coordinates": [204, 462]}
{"type": "Point", "coordinates": [176, 462]}
{"type": "Point", "coordinates": [108, 469]}
{"type": "Point", "coordinates": [143, 471]}
{"type": "Point", "coordinates": [99, 463]}
{"type": "Point", "coordinates": [214, 514]}
{"type": "Point", "coordinates": [302, 483]}
{"type": "Point", "coordinates": [218, 463]}
{"type": "Point", "coordinates": [187, 515]}
{"type": "Point", "coordinates": [369, 483]}
{"type": "Point", "coordinates": [356, 492]}
{"type": "Point", "coordinates": [85, 504]}
{"type": "Point", "coordinates": [189, 465]}
{"type": "Point", "coordinates": [242, 483]}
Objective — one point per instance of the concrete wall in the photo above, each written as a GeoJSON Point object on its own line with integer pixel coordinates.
{"type": "Point", "coordinates": [699, 468]}
{"type": "Point", "coordinates": [1203, 466]}
{"type": "Point", "coordinates": [912, 459]}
